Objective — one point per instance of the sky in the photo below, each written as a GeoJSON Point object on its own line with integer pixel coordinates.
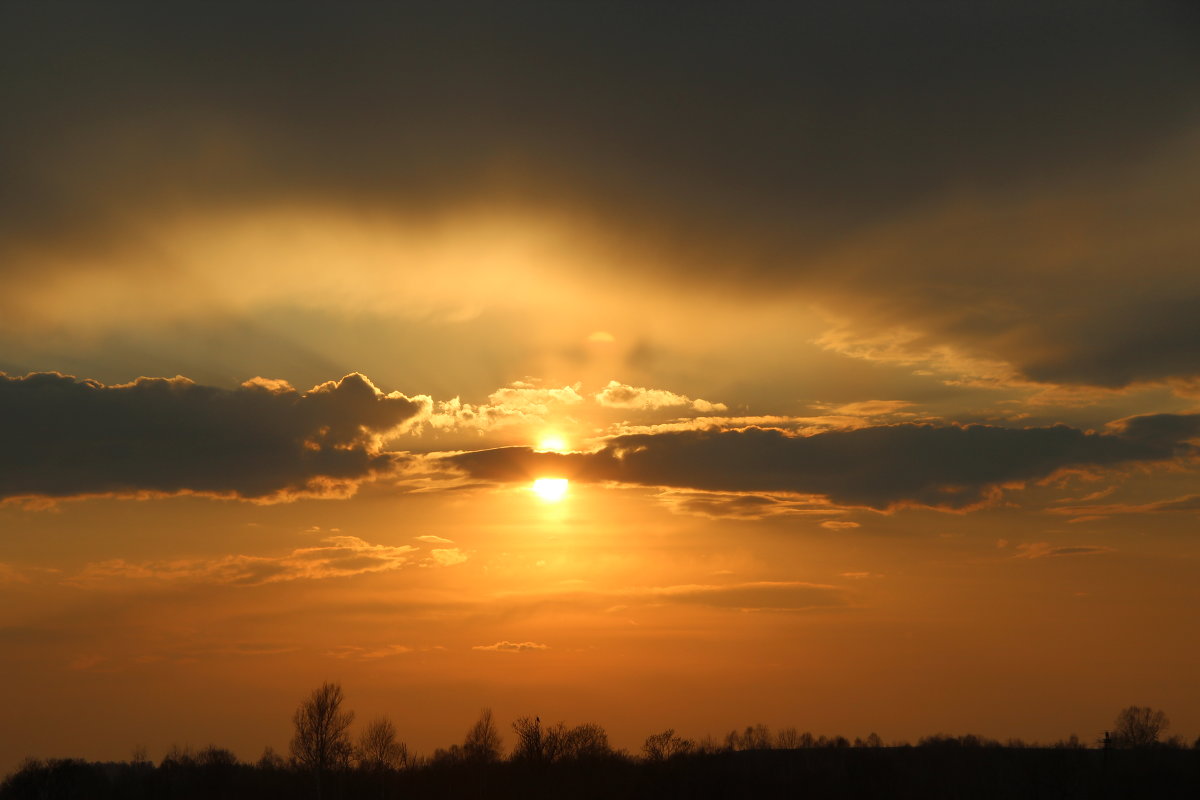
{"type": "Point", "coordinates": [863, 335]}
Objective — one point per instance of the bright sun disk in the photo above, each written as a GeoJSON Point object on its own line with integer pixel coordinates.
{"type": "Point", "coordinates": [550, 490]}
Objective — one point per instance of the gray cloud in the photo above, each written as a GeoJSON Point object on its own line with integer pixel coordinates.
{"type": "Point", "coordinates": [951, 467]}
{"type": "Point", "coordinates": [65, 437]}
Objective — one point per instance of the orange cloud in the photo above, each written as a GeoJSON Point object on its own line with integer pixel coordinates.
{"type": "Point", "coordinates": [620, 395]}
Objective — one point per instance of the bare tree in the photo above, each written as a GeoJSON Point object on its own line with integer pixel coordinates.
{"type": "Point", "coordinates": [586, 741]}
{"type": "Point", "coordinates": [482, 744]}
{"type": "Point", "coordinates": [321, 742]}
{"type": "Point", "coordinates": [558, 742]}
{"type": "Point", "coordinates": [787, 738]}
{"type": "Point", "coordinates": [665, 745]}
{"type": "Point", "coordinates": [213, 756]}
{"type": "Point", "coordinates": [378, 749]}
{"type": "Point", "coordinates": [270, 760]}
{"type": "Point", "coordinates": [1139, 726]}
{"type": "Point", "coordinates": [529, 739]}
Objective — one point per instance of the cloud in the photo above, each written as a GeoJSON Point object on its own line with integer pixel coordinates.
{"type": "Point", "coordinates": [10, 574]}
{"type": "Point", "coordinates": [884, 467]}
{"type": "Point", "coordinates": [871, 409]}
{"type": "Point", "coordinates": [898, 166]}
{"type": "Point", "coordinates": [448, 557]}
{"type": "Point", "coordinates": [359, 653]}
{"type": "Point", "coordinates": [519, 403]}
{"type": "Point", "coordinates": [1187, 504]}
{"type": "Point", "coordinates": [336, 557]}
{"type": "Point", "coordinates": [262, 441]}
{"type": "Point", "coordinates": [1046, 550]}
{"type": "Point", "coordinates": [750, 596]}
{"type": "Point", "coordinates": [619, 395]}
{"type": "Point", "coordinates": [431, 539]}
{"type": "Point", "coordinates": [837, 525]}
{"type": "Point", "coordinates": [746, 596]}
{"type": "Point", "coordinates": [512, 647]}
{"type": "Point", "coordinates": [1019, 318]}
{"type": "Point", "coordinates": [718, 505]}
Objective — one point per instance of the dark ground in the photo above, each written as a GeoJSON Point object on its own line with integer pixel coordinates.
{"type": "Point", "coordinates": [887, 772]}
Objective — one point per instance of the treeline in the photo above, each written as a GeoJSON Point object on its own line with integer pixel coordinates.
{"type": "Point", "coordinates": [558, 760]}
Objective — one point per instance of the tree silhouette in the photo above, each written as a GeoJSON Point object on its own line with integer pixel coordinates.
{"type": "Point", "coordinates": [378, 749]}
{"type": "Point", "coordinates": [529, 739]}
{"type": "Point", "coordinates": [666, 745]}
{"type": "Point", "coordinates": [482, 744]}
{"type": "Point", "coordinates": [321, 742]}
{"type": "Point", "coordinates": [586, 741]}
{"type": "Point", "coordinates": [558, 743]}
{"type": "Point", "coordinates": [1139, 726]}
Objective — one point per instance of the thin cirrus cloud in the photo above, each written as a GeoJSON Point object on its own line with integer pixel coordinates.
{"type": "Point", "coordinates": [262, 441]}
{"type": "Point", "coordinates": [512, 647]}
{"type": "Point", "coordinates": [749, 596]}
{"type": "Point", "coordinates": [883, 467]}
{"type": "Point", "coordinates": [335, 557]}
{"type": "Point", "coordinates": [1032, 550]}
{"type": "Point", "coordinates": [743, 596]}
{"type": "Point", "coordinates": [720, 505]}
{"type": "Point", "coordinates": [1188, 504]}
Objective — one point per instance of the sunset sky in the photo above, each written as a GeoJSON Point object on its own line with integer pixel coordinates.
{"type": "Point", "coordinates": [865, 335]}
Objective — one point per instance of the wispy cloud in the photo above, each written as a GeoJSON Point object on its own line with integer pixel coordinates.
{"type": "Point", "coordinates": [1032, 550]}
{"type": "Point", "coordinates": [742, 596]}
{"type": "Point", "coordinates": [745, 505]}
{"type": "Point", "coordinates": [512, 647]}
{"type": "Point", "coordinates": [360, 653]}
{"type": "Point", "coordinates": [1188, 504]}
{"type": "Point", "coordinates": [337, 557]}
{"type": "Point", "coordinates": [448, 557]}
{"type": "Point", "coordinates": [431, 539]}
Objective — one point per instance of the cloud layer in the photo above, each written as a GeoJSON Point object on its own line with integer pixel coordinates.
{"type": "Point", "coordinates": [65, 437]}
{"type": "Point", "coordinates": [883, 467]}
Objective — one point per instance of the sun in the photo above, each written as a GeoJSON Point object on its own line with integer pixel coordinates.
{"type": "Point", "coordinates": [551, 443]}
{"type": "Point", "coordinates": [550, 490]}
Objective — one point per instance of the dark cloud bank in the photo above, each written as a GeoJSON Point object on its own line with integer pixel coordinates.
{"type": "Point", "coordinates": [952, 467]}
{"type": "Point", "coordinates": [64, 437]}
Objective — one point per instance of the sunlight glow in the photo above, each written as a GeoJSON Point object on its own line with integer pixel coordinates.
{"type": "Point", "coordinates": [550, 490]}
{"type": "Point", "coordinates": [552, 443]}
